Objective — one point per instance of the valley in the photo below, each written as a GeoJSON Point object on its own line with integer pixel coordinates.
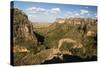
{"type": "Point", "coordinates": [56, 42]}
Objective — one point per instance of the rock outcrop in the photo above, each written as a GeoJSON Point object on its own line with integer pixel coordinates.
{"type": "Point", "coordinates": [90, 33]}
{"type": "Point", "coordinates": [74, 43]}
{"type": "Point", "coordinates": [22, 28]}
{"type": "Point", "coordinates": [20, 49]}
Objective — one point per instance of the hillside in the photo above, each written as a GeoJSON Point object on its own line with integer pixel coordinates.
{"type": "Point", "coordinates": [22, 35]}
{"type": "Point", "coordinates": [36, 43]}
{"type": "Point", "coordinates": [81, 30]}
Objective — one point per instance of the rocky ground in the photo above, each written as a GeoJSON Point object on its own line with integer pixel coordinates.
{"type": "Point", "coordinates": [61, 41]}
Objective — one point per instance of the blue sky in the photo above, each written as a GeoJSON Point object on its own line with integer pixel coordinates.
{"type": "Point", "coordinates": [48, 12]}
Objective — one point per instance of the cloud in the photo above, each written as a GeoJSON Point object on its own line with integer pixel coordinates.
{"type": "Point", "coordinates": [40, 14]}
{"type": "Point", "coordinates": [55, 10]}
{"type": "Point", "coordinates": [77, 14]}
{"type": "Point", "coordinates": [35, 10]}
{"type": "Point", "coordinates": [32, 16]}
{"type": "Point", "coordinates": [72, 14]}
{"type": "Point", "coordinates": [42, 10]}
{"type": "Point", "coordinates": [69, 14]}
{"type": "Point", "coordinates": [83, 11]}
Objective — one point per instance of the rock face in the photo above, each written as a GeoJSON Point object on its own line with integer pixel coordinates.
{"type": "Point", "coordinates": [22, 28]}
{"type": "Point", "coordinates": [20, 49]}
{"type": "Point", "coordinates": [65, 40]}
{"type": "Point", "coordinates": [42, 56]}
{"type": "Point", "coordinates": [60, 20]}
{"type": "Point", "coordinates": [68, 40]}
{"type": "Point", "coordinates": [91, 33]}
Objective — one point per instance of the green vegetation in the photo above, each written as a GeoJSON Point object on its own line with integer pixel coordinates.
{"type": "Point", "coordinates": [77, 32]}
{"type": "Point", "coordinates": [85, 33]}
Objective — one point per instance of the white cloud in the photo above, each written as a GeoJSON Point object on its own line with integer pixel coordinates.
{"type": "Point", "coordinates": [38, 14]}
{"type": "Point", "coordinates": [55, 10]}
{"type": "Point", "coordinates": [33, 16]}
{"type": "Point", "coordinates": [72, 14]}
{"type": "Point", "coordinates": [68, 14]}
{"type": "Point", "coordinates": [42, 10]}
{"type": "Point", "coordinates": [83, 11]}
{"type": "Point", "coordinates": [35, 10]}
{"type": "Point", "coordinates": [77, 14]}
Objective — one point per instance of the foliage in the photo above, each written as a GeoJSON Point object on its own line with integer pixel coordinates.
{"type": "Point", "coordinates": [52, 35]}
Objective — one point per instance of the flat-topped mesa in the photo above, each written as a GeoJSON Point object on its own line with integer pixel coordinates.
{"type": "Point", "coordinates": [60, 20]}
{"type": "Point", "coordinates": [76, 20]}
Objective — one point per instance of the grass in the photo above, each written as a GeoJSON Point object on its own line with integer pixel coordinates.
{"type": "Point", "coordinates": [52, 35]}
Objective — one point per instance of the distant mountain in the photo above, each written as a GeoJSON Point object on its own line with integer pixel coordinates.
{"type": "Point", "coordinates": [40, 25]}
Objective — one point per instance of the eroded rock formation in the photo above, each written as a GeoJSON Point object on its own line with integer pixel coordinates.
{"type": "Point", "coordinates": [22, 28]}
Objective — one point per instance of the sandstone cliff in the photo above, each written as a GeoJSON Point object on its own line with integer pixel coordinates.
{"type": "Point", "coordinates": [22, 28]}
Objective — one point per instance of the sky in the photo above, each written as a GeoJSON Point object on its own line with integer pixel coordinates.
{"type": "Point", "coordinates": [49, 12]}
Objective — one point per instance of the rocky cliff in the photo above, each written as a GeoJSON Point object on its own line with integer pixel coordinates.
{"type": "Point", "coordinates": [22, 28]}
{"type": "Point", "coordinates": [65, 40]}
